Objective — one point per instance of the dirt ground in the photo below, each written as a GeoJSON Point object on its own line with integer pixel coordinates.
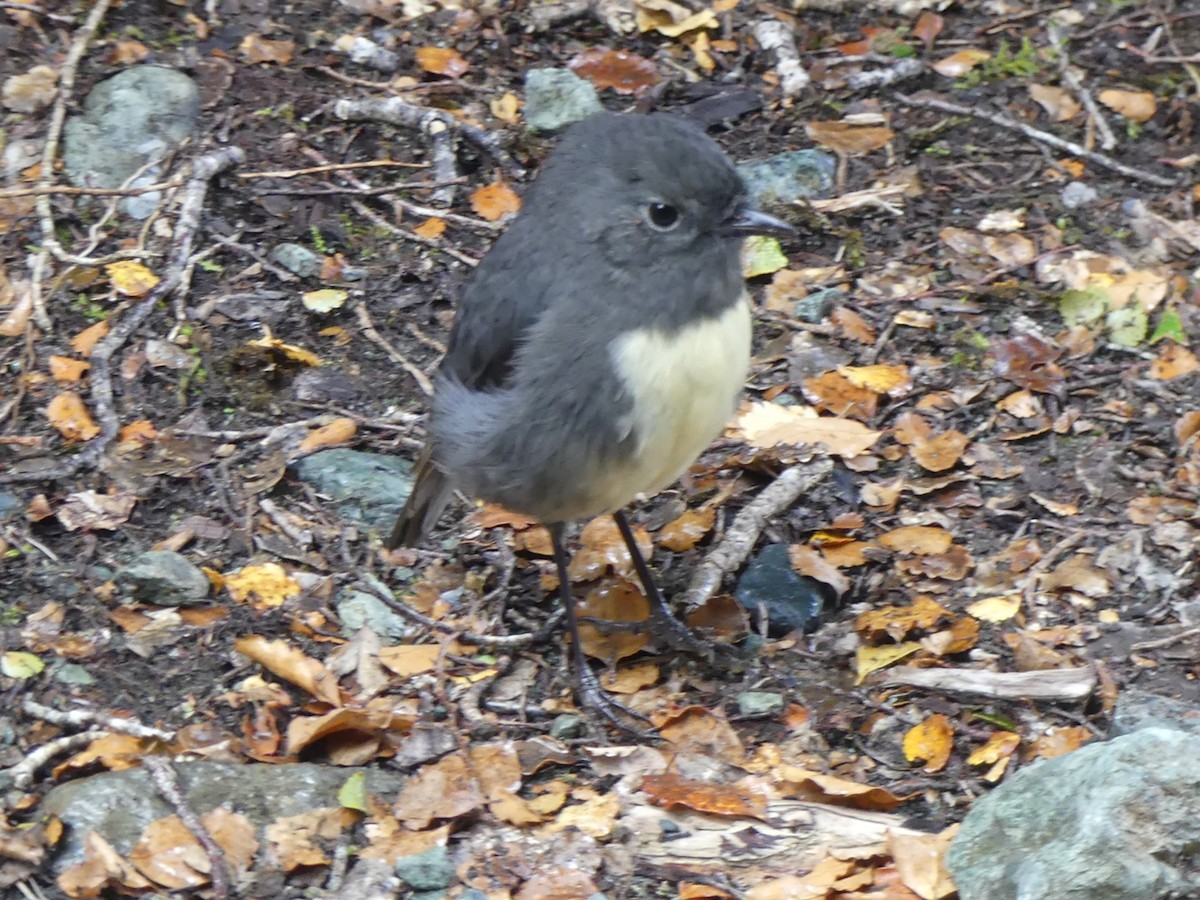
{"type": "Point", "coordinates": [1059, 463]}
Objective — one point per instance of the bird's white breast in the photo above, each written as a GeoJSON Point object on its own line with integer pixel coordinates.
{"type": "Point", "coordinates": [684, 385]}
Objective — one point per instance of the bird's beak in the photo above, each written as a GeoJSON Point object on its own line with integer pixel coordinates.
{"type": "Point", "coordinates": [751, 221]}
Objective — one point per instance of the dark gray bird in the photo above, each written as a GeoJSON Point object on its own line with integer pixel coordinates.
{"type": "Point", "coordinates": [600, 345]}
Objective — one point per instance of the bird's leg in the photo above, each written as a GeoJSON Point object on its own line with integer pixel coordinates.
{"type": "Point", "coordinates": [591, 694]}
{"type": "Point", "coordinates": [662, 620]}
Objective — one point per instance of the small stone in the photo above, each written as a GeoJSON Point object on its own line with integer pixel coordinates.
{"type": "Point", "coordinates": [566, 726]}
{"type": "Point", "coordinates": [428, 871]}
{"type": "Point", "coordinates": [366, 487]}
{"type": "Point", "coordinates": [1077, 195]}
{"type": "Point", "coordinates": [554, 98]}
{"type": "Point", "coordinates": [759, 704]}
{"type": "Point", "coordinates": [297, 259]}
{"type": "Point", "coordinates": [817, 306]}
{"type": "Point", "coordinates": [358, 608]}
{"type": "Point", "coordinates": [164, 579]}
{"type": "Point", "coordinates": [792, 601]}
{"type": "Point", "coordinates": [73, 675]}
{"type": "Point", "coordinates": [779, 181]}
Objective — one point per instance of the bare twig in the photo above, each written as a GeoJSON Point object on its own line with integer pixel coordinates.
{"type": "Point", "coordinates": [741, 537]}
{"type": "Point", "coordinates": [510, 641]}
{"type": "Point", "coordinates": [100, 375]}
{"type": "Point", "coordinates": [368, 327]}
{"type": "Point", "coordinates": [1167, 641]}
{"type": "Point", "coordinates": [1036, 134]}
{"type": "Point", "coordinates": [22, 773]}
{"type": "Point", "coordinates": [167, 783]}
{"type": "Point", "coordinates": [84, 716]}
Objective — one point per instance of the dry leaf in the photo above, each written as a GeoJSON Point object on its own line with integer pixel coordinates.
{"type": "Point", "coordinates": [960, 63]}
{"type": "Point", "coordinates": [258, 49]}
{"type": "Point", "coordinates": [432, 228]}
{"type": "Point", "coordinates": [65, 370]}
{"type": "Point", "coordinates": [495, 201]}
{"type": "Point", "coordinates": [339, 431]}
{"type": "Point", "coordinates": [505, 108]}
{"type": "Point", "coordinates": [847, 139]}
{"type": "Point", "coordinates": [624, 72]}
{"type": "Point", "coordinates": [31, 90]}
{"type": "Point", "coordinates": [930, 742]}
{"type": "Point", "coordinates": [1059, 103]}
{"type": "Point", "coordinates": [67, 413]}
{"type": "Point", "coordinates": [442, 61]}
{"type": "Point", "coordinates": [1137, 105]}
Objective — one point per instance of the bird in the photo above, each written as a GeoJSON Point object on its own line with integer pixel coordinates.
{"type": "Point", "coordinates": [598, 347]}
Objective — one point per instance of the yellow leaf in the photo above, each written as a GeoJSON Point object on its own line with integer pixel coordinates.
{"type": "Point", "coordinates": [1139, 106]}
{"type": "Point", "coordinates": [269, 583]}
{"type": "Point", "coordinates": [930, 742]}
{"type": "Point", "coordinates": [996, 609]}
{"type": "Point", "coordinates": [20, 665]}
{"type": "Point", "coordinates": [505, 108]}
{"type": "Point", "coordinates": [131, 278]}
{"type": "Point", "coordinates": [960, 63]}
{"type": "Point", "coordinates": [872, 659]}
{"type": "Point", "coordinates": [325, 300]}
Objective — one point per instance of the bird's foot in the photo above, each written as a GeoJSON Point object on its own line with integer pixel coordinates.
{"type": "Point", "coordinates": [595, 699]}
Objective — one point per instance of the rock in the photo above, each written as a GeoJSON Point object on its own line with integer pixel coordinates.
{"type": "Point", "coordinates": [73, 675]}
{"type": "Point", "coordinates": [818, 305]}
{"type": "Point", "coordinates": [1118, 820]}
{"type": "Point", "coordinates": [10, 506]}
{"type": "Point", "coordinates": [1077, 195]}
{"type": "Point", "coordinates": [1138, 709]}
{"type": "Point", "coordinates": [566, 726]}
{"type": "Point", "coordinates": [779, 181]}
{"type": "Point", "coordinates": [358, 608]}
{"type": "Point", "coordinates": [119, 805]}
{"type": "Point", "coordinates": [129, 123]}
{"type": "Point", "coordinates": [366, 487]}
{"type": "Point", "coordinates": [428, 871]}
{"type": "Point", "coordinates": [297, 259]}
{"type": "Point", "coordinates": [366, 52]}
{"type": "Point", "coordinates": [759, 704]}
{"type": "Point", "coordinates": [793, 601]}
{"type": "Point", "coordinates": [164, 579]}
{"type": "Point", "coordinates": [554, 98]}
{"type": "Point", "coordinates": [325, 385]}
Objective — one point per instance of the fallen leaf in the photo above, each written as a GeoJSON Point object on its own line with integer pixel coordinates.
{"type": "Point", "coordinates": [67, 413]}
{"type": "Point", "coordinates": [1059, 103]}
{"type": "Point", "coordinates": [495, 201]}
{"type": "Point", "coordinates": [258, 49]}
{"type": "Point", "coordinates": [339, 431]}
{"type": "Point", "coordinates": [960, 63]}
{"type": "Point", "coordinates": [442, 61]}
{"type": "Point", "coordinates": [930, 742]}
{"type": "Point", "coordinates": [505, 108]}
{"type": "Point", "coordinates": [64, 369]}
{"type": "Point", "coordinates": [1139, 106]}
{"type": "Point", "coordinates": [624, 72]}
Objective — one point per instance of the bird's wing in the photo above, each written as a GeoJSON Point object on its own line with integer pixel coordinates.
{"type": "Point", "coordinates": [501, 301]}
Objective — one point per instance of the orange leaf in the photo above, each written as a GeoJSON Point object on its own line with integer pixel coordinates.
{"type": "Point", "coordinates": [495, 201]}
{"type": "Point", "coordinates": [931, 742]}
{"type": "Point", "coordinates": [431, 228]}
{"type": "Point", "coordinates": [64, 369]}
{"type": "Point", "coordinates": [442, 61]}
{"type": "Point", "coordinates": [83, 342]}
{"type": "Point", "coordinates": [67, 413]}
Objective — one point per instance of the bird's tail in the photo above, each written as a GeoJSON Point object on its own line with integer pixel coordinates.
{"type": "Point", "coordinates": [430, 493]}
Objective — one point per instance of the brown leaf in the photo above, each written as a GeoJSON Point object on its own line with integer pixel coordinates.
{"type": "Point", "coordinates": [67, 413]}
{"type": "Point", "coordinates": [672, 790]}
{"type": "Point", "coordinates": [432, 228]}
{"type": "Point", "coordinates": [339, 431]}
{"type": "Point", "coordinates": [258, 49]}
{"type": "Point", "coordinates": [848, 139]}
{"type": "Point", "coordinates": [1059, 103]}
{"type": "Point", "coordinates": [960, 63]}
{"type": "Point", "coordinates": [624, 72]}
{"type": "Point", "coordinates": [446, 789]}
{"type": "Point", "coordinates": [1137, 105]}
{"type": "Point", "coordinates": [292, 665]}
{"type": "Point", "coordinates": [83, 342]}
{"type": "Point", "coordinates": [919, 540]}
{"type": "Point", "coordinates": [688, 530]}
{"type": "Point", "coordinates": [613, 600]}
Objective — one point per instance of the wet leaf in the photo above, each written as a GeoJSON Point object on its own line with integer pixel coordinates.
{"type": "Point", "coordinates": [624, 72]}
{"type": "Point", "coordinates": [495, 201]}
{"type": "Point", "coordinates": [931, 742]}
{"type": "Point", "coordinates": [762, 255]}
{"type": "Point", "coordinates": [442, 61]}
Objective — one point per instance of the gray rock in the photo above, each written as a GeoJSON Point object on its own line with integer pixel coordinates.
{"type": "Point", "coordinates": [129, 123]}
{"type": "Point", "coordinates": [325, 385]}
{"type": "Point", "coordinates": [792, 601]}
{"type": "Point", "coordinates": [73, 675]}
{"type": "Point", "coordinates": [566, 726]}
{"type": "Point", "coordinates": [818, 305]}
{"type": "Point", "coordinates": [1077, 195]}
{"type": "Point", "coordinates": [554, 98]}
{"type": "Point", "coordinates": [758, 704]}
{"type": "Point", "coordinates": [428, 871]}
{"type": "Point", "coordinates": [358, 608]}
{"type": "Point", "coordinates": [298, 259]}
{"type": "Point", "coordinates": [10, 505]}
{"type": "Point", "coordinates": [119, 805]}
{"type": "Point", "coordinates": [779, 181]}
{"type": "Point", "coordinates": [164, 579]}
{"type": "Point", "coordinates": [366, 487]}
{"type": "Point", "coordinates": [1138, 709]}
{"type": "Point", "coordinates": [1118, 820]}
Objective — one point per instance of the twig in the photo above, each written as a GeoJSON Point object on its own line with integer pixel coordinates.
{"type": "Point", "coordinates": [66, 85]}
{"type": "Point", "coordinates": [1158, 60]}
{"type": "Point", "coordinates": [511, 641]}
{"type": "Point", "coordinates": [742, 535]}
{"type": "Point", "coordinates": [368, 327]}
{"type": "Point", "coordinates": [100, 375]}
{"type": "Point", "coordinates": [363, 210]}
{"type": "Point", "coordinates": [1036, 134]}
{"type": "Point", "coordinates": [84, 716]}
{"type": "Point", "coordinates": [70, 191]}
{"type": "Point", "coordinates": [165, 780]}
{"type": "Point", "coordinates": [773, 35]}
{"type": "Point", "coordinates": [1159, 643]}
{"type": "Point", "coordinates": [334, 167]}
{"type": "Point", "coordinates": [22, 773]}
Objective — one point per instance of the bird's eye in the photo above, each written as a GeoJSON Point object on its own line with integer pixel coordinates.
{"type": "Point", "coordinates": [663, 216]}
